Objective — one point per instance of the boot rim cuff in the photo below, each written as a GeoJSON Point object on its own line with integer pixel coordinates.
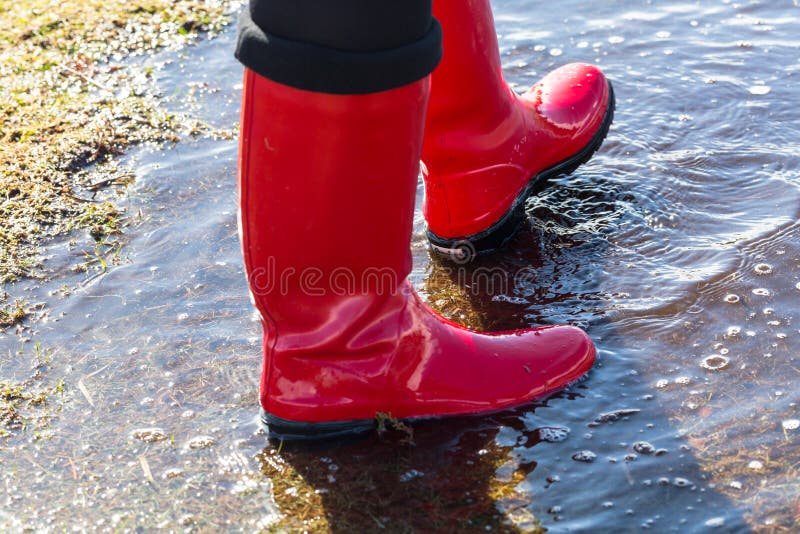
{"type": "Point", "coordinates": [322, 69]}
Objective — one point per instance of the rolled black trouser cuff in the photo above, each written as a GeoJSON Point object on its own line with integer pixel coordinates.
{"type": "Point", "coordinates": [314, 67]}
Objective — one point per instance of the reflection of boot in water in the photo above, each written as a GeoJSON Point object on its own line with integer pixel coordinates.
{"type": "Point", "coordinates": [455, 476]}
{"type": "Point", "coordinates": [485, 147]}
{"type": "Point", "coordinates": [327, 179]}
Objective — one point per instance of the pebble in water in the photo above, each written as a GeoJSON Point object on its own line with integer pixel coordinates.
{"type": "Point", "coordinates": [149, 435]}
{"type": "Point", "coordinates": [763, 269]}
{"type": "Point", "coordinates": [584, 456]}
{"type": "Point", "coordinates": [715, 362]}
{"type": "Point", "coordinates": [200, 442]}
{"type": "Point", "coordinates": [171, 473]}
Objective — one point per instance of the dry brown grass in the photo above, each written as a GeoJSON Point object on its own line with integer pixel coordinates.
{"type": "Point", "coordinates": [70, 100]}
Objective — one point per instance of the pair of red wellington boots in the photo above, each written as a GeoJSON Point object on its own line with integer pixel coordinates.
{"type": "Point", "coordinates": [326, 195]}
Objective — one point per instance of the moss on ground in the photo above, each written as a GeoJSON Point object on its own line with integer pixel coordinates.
{"type": "Point", "coordinates": [70, 101]}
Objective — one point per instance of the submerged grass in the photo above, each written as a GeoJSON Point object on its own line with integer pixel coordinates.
{"type": "Point", "coordinates": [69, 103]}
{"type": "Point", "coordinates": [12, 313]}
{"type": "Point", "coordinates": [29, 404]}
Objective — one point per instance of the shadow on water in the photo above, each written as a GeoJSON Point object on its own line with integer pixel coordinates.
{"type": "Point", "coordinates": [676, 247]}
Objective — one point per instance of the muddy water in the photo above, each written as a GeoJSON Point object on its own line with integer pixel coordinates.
{"type": "Point", "coordinates": [677, 247]}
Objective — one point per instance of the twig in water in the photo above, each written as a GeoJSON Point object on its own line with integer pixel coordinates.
{"type": "Point", "coordinates": [86, 78]}
{"type": "Point", "coordinates": [85, 392]}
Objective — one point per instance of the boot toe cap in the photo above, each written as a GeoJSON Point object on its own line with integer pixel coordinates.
{"type": "Point", "coordinates": [573, 97]}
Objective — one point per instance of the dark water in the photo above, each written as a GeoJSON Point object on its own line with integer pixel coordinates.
{"type": "Point", "coordinates": [677, 247]}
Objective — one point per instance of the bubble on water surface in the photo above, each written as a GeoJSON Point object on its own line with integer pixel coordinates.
{"type": "Point", "coordinates": [733, 332]}
{"type": "Point", "coordinates": [755, 465]}
{"type": "Point", "coordinates": [584, 456]}
{"type": "Point", "coordinates": [761, 292]}
{"type": "Point", "coordinates": [715, 522]}
{"type": "Point", "coordinates": [555, 52]}
{"type": "Point", "coordinates": [644, 447]}
{"type": "Point", "coordinates": [791, 424]}
{"type": "Point", "coordinates": [553, 435]}
{"type": "Point", "coordinates": [760, 89]}
{"type": "Point", "coordinates": [763, 269]}
{"type": "Point", "coordinates": [715, 362]}
{"type": "Point", "coordinates": [410, 475]}
{"type": "Point", "coordinates": [509, 299]}
{"type": "Point", "coordinates": [732, 298]}
{"type": "Point", "coordinates": [616, 39]}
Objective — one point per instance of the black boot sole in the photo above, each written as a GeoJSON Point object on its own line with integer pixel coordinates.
{"type": "Point", "coordinates": [284, 429]}
{"type": "Point", "coordinates": [463, 249]}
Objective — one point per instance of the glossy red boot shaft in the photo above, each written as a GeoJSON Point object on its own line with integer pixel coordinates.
{"type": "Point", "coordinates": [327, 188]}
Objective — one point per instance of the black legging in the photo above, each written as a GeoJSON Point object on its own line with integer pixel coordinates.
{"type": "Point", "coordinates": [340, 46]}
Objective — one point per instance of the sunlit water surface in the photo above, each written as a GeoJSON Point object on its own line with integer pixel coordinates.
{"type": "Point", "coordinates": [677, 247]}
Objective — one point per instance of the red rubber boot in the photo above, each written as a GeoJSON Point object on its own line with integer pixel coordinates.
{"type": "Point", "coordinates": [486, 147]}
{"type": "Point", "coordinates": [327, 189]}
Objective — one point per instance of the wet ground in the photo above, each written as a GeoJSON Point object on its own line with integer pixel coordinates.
{"type": "Point", "coordinates": [677, 247]}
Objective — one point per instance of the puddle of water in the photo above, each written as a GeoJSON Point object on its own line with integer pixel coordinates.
{"type": "Point", "coordinates": [677, 247]}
